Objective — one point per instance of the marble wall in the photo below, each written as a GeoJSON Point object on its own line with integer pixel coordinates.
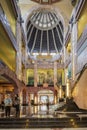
{"type": "Point", "coordinates": [80, 91]}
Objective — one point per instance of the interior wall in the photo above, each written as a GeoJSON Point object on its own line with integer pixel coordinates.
{"type": "Point", "coordinates": [82, 22]}
{"type": "Point", "coordinates": [80, 91]}
{"type": "Point", "coordinates": [6, 5]}
{"type": "Point", "coordinates": [7, 52]}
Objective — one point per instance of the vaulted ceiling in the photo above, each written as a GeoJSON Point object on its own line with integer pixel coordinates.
{"type": "Point", "coordinates": [64, 7]}
{"type": "Point", "coordinates": [45, 30]}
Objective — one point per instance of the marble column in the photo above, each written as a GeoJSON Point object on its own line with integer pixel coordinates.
{"type": "Point", "coordinates": [25, 76]}
{"type": "Point", "coordinates": [35, 74]}
{"type": "Point", "coordinates": [26, 62]}
{"type": "Point", "coordinates": [19, 54]}
{"type": "Point", "coordinates": [55, 72]}
{"type": "Point", "coordinates": [73, 49]}
{"type": "Point", "coordinates": [64, 60]}
{"type": "Point", "coordinates": [68, 89]}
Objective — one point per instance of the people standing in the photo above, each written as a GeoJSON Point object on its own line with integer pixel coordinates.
{"type": "Point", "coordinates": [17, 105]}
{"type": "Point", "coordinates": [8, 104]}
{"type": "Point", "coordinates": [2, 105]}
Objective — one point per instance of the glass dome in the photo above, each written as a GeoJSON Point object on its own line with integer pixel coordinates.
{"type": "Point", "coordinates": [45, 33]}
{"type": "Point", "coordinates": [44, 19]}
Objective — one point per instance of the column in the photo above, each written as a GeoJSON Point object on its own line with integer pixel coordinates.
{"type": "Point", "coordinates": [19, 55]}
{"type": "Point", "coordinates": [73, 49]}
{"type": "Point", "coordinates": [25, 76]}
{"type": "Point", "coordinates": [55, 72]}
{"type": "Point", "coordinates": [27, 97]}
{"type": "Point", "coordinates": [26, 62]}
{"type": "Point", "coordinates": [35, 74]}
{"type": "Point", "coordinates": [64, 60]}
{"type": "Point", "coordinates": [68, 89]}
{"type": "Point", "coordinates": [60, 92]}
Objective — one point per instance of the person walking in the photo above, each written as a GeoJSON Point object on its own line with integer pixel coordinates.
{"type": "Point", "coordinates": [47, 103]}
{"type": "Point", "coordinates": [17, 105]}
{"type": "Point", "coordinates": [8, 104]}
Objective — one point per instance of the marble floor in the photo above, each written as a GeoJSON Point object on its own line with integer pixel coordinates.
{"type": "Point", "coordinates": [41, 112]}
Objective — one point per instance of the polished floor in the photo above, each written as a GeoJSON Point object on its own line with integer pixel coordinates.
{"type": "Point", "coordinates": [34, 111]}
{"type": "Point", "coordinates": [40, 112]}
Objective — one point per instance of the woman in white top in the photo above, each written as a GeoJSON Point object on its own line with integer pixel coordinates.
{"type": "Point", "coordinates": [8, 104]}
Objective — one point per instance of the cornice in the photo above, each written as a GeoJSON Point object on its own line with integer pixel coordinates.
{"type": "Point", "coordinates": [45, 66]}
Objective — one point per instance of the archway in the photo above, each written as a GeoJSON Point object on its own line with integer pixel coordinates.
{"type": "Point", "coordinates": [44, 97]}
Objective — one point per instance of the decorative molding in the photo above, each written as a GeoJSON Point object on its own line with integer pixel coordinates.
{"type": "Point", "coordinates": [45, 65]}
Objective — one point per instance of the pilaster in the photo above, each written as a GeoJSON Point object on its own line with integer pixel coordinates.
{"type": "Point", "coordinates": [73, 49]}
{"type": "Point", "coordinates": [64, 60]}
{"type": "Point", "coordinates": [55, 72]}
{"type": "Point", "coordinates": [19, 54]}
{"type": "Point", "coordinates": [35, 74]}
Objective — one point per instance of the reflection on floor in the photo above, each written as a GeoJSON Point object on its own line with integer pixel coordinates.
{"type": "Point", "coordinates": [41, 111]}
{"type": "Point", "coordinates": [40, 118]}
{"type": "Point", "coordinates": [43, 116]}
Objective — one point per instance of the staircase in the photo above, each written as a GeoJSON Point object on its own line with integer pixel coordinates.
{"type": "Point", "coordinates": [55, 122]}
{"type": "Point", "coordinates": [66, 116]}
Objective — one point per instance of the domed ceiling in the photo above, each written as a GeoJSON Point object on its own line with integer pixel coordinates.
{"type": "Point", "coordinates": [45, 33]}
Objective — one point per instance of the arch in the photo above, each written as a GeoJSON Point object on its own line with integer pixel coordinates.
{"type": "Point", "coordinates": [10, 75]}
{"type": "Point", "coordinates": [45, 95]}
{"type": "Point", "coordinates": [60, 14]}
{"type": "Point", "coordinates": [55, 31]}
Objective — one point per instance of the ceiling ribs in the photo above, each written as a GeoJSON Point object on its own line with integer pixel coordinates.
{"type": "Point", "coordinates": [34, 42]}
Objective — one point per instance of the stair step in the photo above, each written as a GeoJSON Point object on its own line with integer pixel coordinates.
{"type": "Point", "coordinates": [43, 122]}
